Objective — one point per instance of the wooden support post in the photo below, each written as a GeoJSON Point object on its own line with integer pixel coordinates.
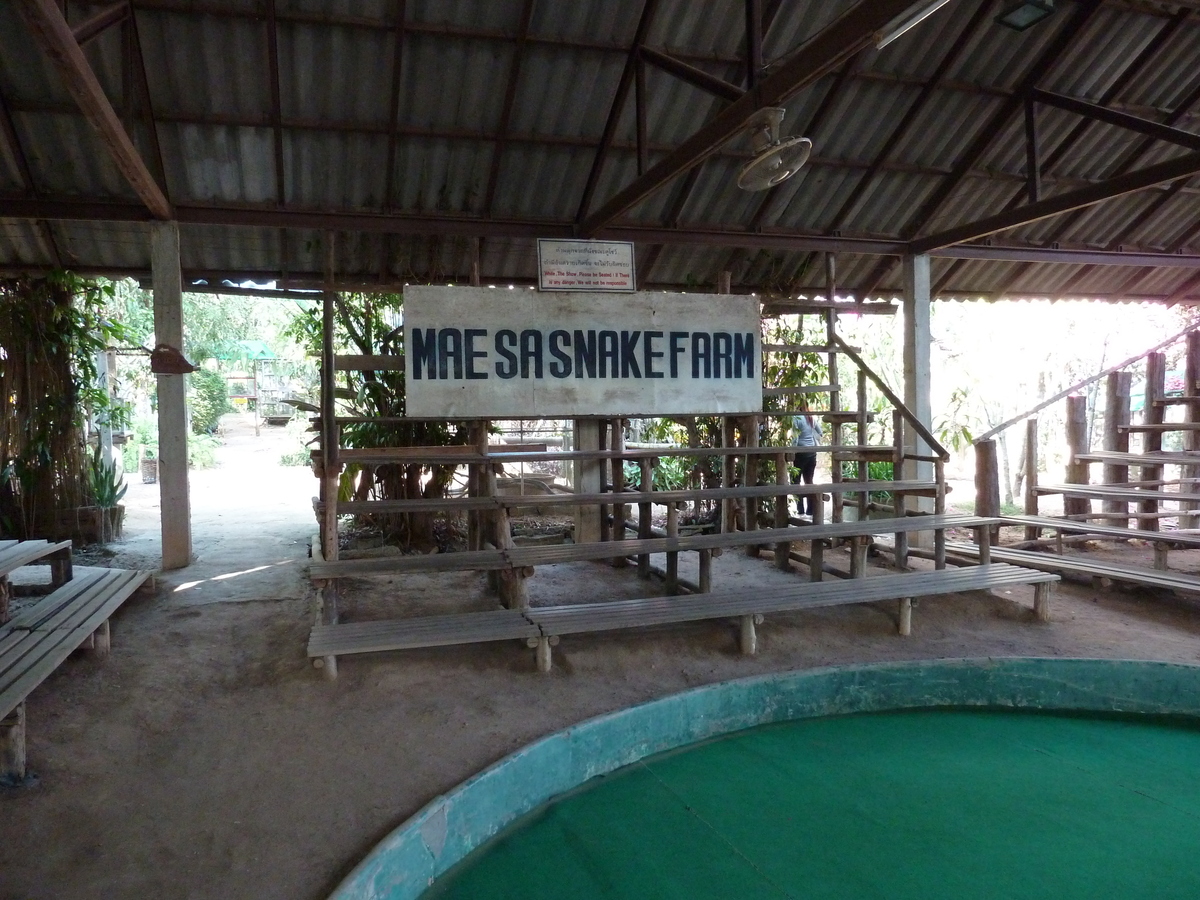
{"type": "Point", "coordinates": [1191, 439]}
{"type": "Point", "coordinates": [602, 483]}
{"type": "Point", "coordinates": [102, 640]}
{"type": "Point", "coordinates": [783, 548]}
{"type": "Point", "coordinates": [1077, 443]}
{"type": "Point", "coordinates": [475, 483]}
{"type": "Point", "coordinates": [728, 474]}
{"type": "Point", "coordinates": [748, 637]}
{"type": "Point", "coordinates": [61, 568]}
{"type": "Point", "coordinates": [1116, 417]}
{"type": "Point", "coordinates": [987, 479]}
{"type": "Point", "coordinates": [750, 425]}
{"type": "Point", "coordinates": [1160, 556]}
{"type": "Point", "coordinates": [900, 559]}
{"type": "Point", "coordinates": [617, 443]}
{"type": "Point", "coordinates": [939, 508]}
{"type": "Point", "coordinates": [1041, 600]}
{"type": "Point", "coordinates": [864, 467]}
{"type": "Point", "coordinates": [672, 578]}
{"type": "Point", "coordinates": [905, 628]}
{"type": "Point", "coordinates": [12, 748]}
{"type": "Point", "coordinates": [541, 646]}
{"type": "Point", "coordinates": [858, 555]}
{"type": "Point", "coordinates": [983, 540]}
{"type": "Point", "coordinates": [816, 558]}
{"type": "Point", "coordinates": [645, 512]}
{"type": "Point", "coordinates": [1156, 388]}
{"type": "Point", "coordinates": [591, 522]}
{"type": "Point", "coordinates": [514, 592]}
{"type": "Point", "coordinates": [705, 571]}
{"type": "Point", "coordinates": [1031, 473]}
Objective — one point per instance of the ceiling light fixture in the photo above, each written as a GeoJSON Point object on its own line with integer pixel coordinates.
{"type": "Point", "coordinates": [908, 19]}
{"type": "Point", "coordinates": [1024, 14]}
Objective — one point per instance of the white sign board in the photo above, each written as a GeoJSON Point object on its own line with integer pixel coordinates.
{"type": "Point", "coordinates": [507, 354]}
{"type": "Point", "coordinates": [585, 266]}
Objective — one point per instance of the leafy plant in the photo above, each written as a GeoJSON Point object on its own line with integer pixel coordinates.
{"type": "Point", "coordinates": [108, 485]}
{"type": "Point", "coordinates": [877, 470]}
{"type": "Point", "coordinates": [295, 458]}
{"type": "Point", "coordinates": [209, 400]}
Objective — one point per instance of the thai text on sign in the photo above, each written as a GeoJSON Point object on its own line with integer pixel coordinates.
{"type": "Point", "coordinates": [476, 352]}
{"type": "Point", "coordinates": [585, 265]}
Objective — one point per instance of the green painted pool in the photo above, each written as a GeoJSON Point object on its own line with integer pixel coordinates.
{"type": "Point", "coordinates": [929, 804]}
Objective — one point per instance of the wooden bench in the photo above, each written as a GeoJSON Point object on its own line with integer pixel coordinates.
{"type": "Point", "coordinates": [15, 554]}
{"type": "Point", "coordinates": [521, 557]}
{"type": "Point", "coordinates": [541, 627]}
{"type": "Point", "coordinates": [37, 640]}
{"type": "Point", "coordinates": [1112, 492]}
{"type": "Point", "coordinates": [1075, 565]}
{"type": "Point", "coordinates": [1163, 540]}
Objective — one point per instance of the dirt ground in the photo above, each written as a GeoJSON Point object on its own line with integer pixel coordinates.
{"type": "Point", "coordinates": [206, 758]}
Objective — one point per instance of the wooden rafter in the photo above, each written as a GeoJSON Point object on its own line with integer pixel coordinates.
{"type": "Point", "coordinates": [618, 105]}
{"type": "Point", "coordinates": [987, 133]}
{"type": "Point", "coordinates": [94, 26]}
{"type": "Point", "coordinates": [52, 34]}
{"type": "Point", "coordinates": [8, 131]}
{"type": "Point", "coordinates": [510, 93]}
{"type": "Point", "coordinates": [831, 47]}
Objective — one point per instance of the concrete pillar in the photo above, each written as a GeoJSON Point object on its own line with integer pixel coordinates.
{"type": "Point", "coordinates": [916, 370]}
{"type": "Point", "coordinates": [172, 401]}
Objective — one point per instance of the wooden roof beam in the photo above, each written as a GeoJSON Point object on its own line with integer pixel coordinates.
{"type": "Point", "coordinates": [93, 27]}
{"type": "Point", "coordinates": [52, 33]}
{"type": "Point", "coordinates": [1119, 119]}
{"type": "Point", "coordinates": [855, 30]}
{"type": "Point", "coordinates": [618, 105]}
{"type": "Point", "coordinates": [510, 95]}
{"type": "Point", "coordinates": [1181, 167]}
{"type": "Point", "coordinates": [691, 74]}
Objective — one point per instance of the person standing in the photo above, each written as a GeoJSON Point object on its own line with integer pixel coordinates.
{"type": "Point", "coordinates": [807, 433]}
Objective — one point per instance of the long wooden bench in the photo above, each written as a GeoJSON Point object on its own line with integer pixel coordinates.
{"type": "Point", "coordinates": [541, 627]}
{"type": "Point", "coordinates": [1112, 492]}
{"type": "Point", "coordinates": [1075, 565]}
{"type": "Point", "coordinates": [518, 557]}
{"type": "Point", "coordinates": [1163, 541]}
{"type": "Point", "coordinates": [37, 640]}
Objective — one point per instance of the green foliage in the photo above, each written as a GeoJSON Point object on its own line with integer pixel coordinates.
{"type": "Point", "coordinates": [877, 470]}
{"type": "Point", "coordinates": [143, 443]}
{"type": "Point", "coordinates": [202, 451]}
{"type": "Point", "coordinates": [108, 486]}
{"type": "Point", "coordinates": [208, 400]}
{"type": "Point", "coordinates": [295, 458]}
{"type": "Point", "coordinates": [368, 324]}
{"type": "Point", "coordinates": [670, 473]}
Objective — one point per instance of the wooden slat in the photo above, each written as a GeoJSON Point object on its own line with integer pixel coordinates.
{"type": "Point", "coordinates": [26, 552]}
{"type": "Point", "coordinates": [1050, 562]}
{"type": "Point", "coordinates": [810, 595]}
{"type": "Point", "coordinates": [1117, 458]}
{"type": "Point", "coordinates": [1131, 495]}
{"type": "Point", "coordinates": [28, 654]}
{"type": "Point", "coordinates": [800, 348]}
{"type": "Point", "coordinates": [361, 363]}
{"type": "Point", "coordinates": [429, 631]}
{"type": "Point", "coordinates": [465, 628]}
{"type": "Point", "coordinates": [483, 560]}
{"type": "Point", "coordinates": [1113, 531]}
{"type": "Point", "coordinates": [1161, 427]}
{"type": "Point", "coordinates": [643, 453]}
{"type": "Point", "coordinates": [792, 391]}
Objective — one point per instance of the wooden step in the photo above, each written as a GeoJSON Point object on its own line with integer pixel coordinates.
{"type": "Point", "coordinates": [463, 455]}
{"type": "Point", "coordinates": [1156, 458]}
{"type": "Point", "coordinates": [1112, 492]}
{"type": "Point", "coordinates": [483, 560]}
{"type": "Point", "coordinates": [1160, 428]}
{"type": "Point", "coordinates": [1175, 401]}
{"type": "Point", "coordinates": [1076, 565]}
{"type": "Point", "coordinates": [792, 391]}
{"type": "Point", "coordinates": [540, 623]}
{"type": "Point", "coordinates": [1110, 531]}
{"type": "Point", "coordinates": [844, 416]}
{"type": "Point", "coordinates": [867, 454]}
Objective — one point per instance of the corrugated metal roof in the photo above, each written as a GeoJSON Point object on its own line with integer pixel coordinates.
{"type": "Point", "coordinates": [209, 79]}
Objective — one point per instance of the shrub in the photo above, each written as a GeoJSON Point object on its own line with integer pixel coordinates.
{"type": "Point", "coordinates": [209, 401]}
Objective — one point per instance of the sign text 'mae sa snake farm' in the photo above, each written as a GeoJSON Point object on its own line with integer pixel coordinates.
{"type": "Point", "coordinates": [493, 353]}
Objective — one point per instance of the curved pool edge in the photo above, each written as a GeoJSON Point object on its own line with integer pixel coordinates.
{"type": "Point", "coordinates": [406, 862]}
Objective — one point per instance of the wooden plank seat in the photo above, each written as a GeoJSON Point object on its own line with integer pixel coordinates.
{"type": "Point", "coordinates": [506, 501]}
{"type": "Point", "coordinates": [1163, 540]}
{"type": "Point", "coordinates": [546, 624]}
{"type": "Point", "coordinates": [1160, 427]}
{"type": "Point", "coordinates": [21, 553]}
{"type": "Point", "coordinates": [516, 557]}
{"type": "Point", "coordinates": [38, 639]}
{"type": "Point", "coordinates": [1112, 492]}
{"type": "Point", "coordinates": [1076, 565]}
{"type": "Point", "coordinates": [1152, 458]}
